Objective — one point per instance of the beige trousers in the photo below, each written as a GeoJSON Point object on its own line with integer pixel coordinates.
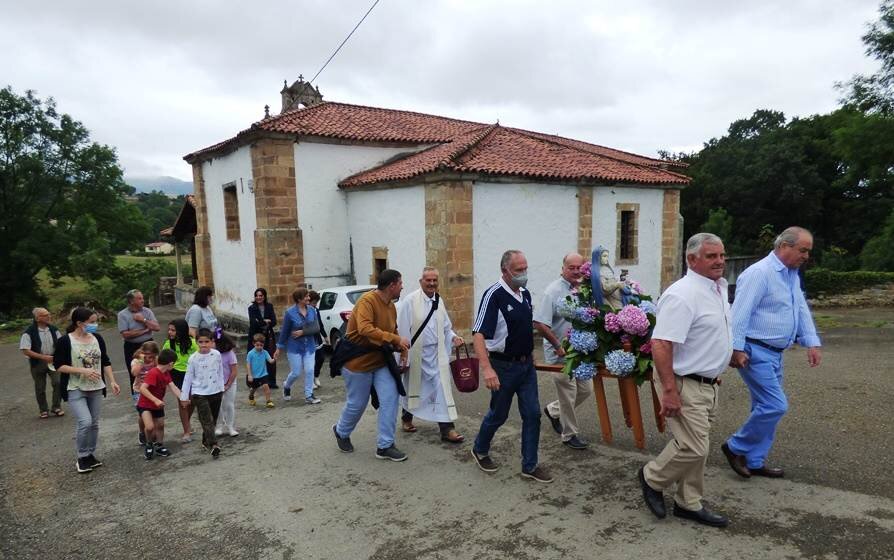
{"type": "Point", "coordinates": [683, 459]}
{"type": "Point", "coordinates": [571, 393]}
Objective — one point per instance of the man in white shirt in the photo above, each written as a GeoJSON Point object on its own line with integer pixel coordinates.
{"type": "Point", "coordinates": [427, 382]}
{"type": "Point", "coordinates": [692, 346]}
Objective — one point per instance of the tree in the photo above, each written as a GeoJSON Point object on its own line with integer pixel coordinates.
{"type": "Point", "coordinates": [875, 93]}
{"type": "Point", "coordinates": [720, 223]}
{"type": "Point", "coordinates": [877, 254]}
{"type": "Point", "coordinates": [62, 203]}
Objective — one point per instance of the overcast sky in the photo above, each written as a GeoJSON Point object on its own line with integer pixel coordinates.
{"type": "Point", "coordinates": [157, 80]}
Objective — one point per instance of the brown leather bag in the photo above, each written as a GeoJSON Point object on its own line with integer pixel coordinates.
{"type": "Point", "coordinates": [465, 371]}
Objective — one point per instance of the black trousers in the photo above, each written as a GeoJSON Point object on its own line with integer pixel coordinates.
{"type": "Point", "coordinates": [208, 408]}
{"type": "Point", "coordinates": [319, 358]}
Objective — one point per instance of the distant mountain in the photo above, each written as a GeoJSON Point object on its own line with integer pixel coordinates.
{"type": "Point", "coordinates": [168, 185]}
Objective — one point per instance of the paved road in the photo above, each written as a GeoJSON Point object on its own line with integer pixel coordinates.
{"type": "Point", "coordinates": [282, 490]}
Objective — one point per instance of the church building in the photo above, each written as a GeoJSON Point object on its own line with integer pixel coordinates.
{"type": "Point", "coordinates": [327, 194]}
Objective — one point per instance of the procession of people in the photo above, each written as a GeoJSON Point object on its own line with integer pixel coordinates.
{"type": "Point", "coordinates": [398, 356]}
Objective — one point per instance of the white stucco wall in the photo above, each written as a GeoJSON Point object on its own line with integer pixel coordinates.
{"type": "Point", "coordinates": [323, 213]}
{"type": "Point", "coordinates": [605, 225]}
{"type": "Point", "coordinates": [392, 218]}
{"type": "Point", "coordinates": [538, 219]}
{"type": "Point", "coordinates": [232, 262]}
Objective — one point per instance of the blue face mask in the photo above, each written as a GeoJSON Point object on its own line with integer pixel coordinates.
{"type": "Point", "coordinates": [91, 328]}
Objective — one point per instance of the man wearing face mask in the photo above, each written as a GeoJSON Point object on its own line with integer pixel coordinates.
{"type": "Point", "coordinates": [504, 341]}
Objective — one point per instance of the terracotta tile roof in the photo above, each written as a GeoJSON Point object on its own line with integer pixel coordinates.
{"type": "Point", "coordinates": [496, 150]}
{"type": "Point", "coordinates": [462, 146]}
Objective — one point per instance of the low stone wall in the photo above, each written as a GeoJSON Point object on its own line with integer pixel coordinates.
{"type": "Point", "coordinates": [876, 296]}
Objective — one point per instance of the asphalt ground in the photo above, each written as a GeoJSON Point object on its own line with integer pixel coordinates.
{"type": "Point", "coordinates": [282, 489]}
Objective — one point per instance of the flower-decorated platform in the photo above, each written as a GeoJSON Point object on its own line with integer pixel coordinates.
{"type": "Point", "coordinates": [630, 403]}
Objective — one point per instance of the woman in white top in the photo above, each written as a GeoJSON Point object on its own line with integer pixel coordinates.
{"type": "Point", "coordinates": [82, 361]}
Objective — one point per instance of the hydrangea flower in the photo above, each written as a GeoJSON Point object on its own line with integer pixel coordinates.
{"type": "Point", "coordinates": [619, 362]}
{"type": "Point", "coordinates": [586, 269]}
{"type": "Point", "coordinates": [586, 314]}
{"type": "Point", "coordinates": [612, 323]}
{"type": "Point", "coordinates": [584, 371]}
{"type": "Point", "coordinates": [635, 287]}
{"type": "Point", "coordinates": [646, 348]}
{"type": "Point", "coordinates": [648, 307]}
{"type": "Point", "coordinates": [567, 309]}
{"type": "Point", "coordinates": [583, 341]}
{"type": "Point", "coordinates": [633, 320]}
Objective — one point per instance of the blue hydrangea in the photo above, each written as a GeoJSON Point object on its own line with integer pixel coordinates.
{"type": "Point", "coordinates": [567, 309]}
{"type": "Point", "coordinates": [584, 371]}
{"type": "Point", "coordinates": [648, 307]}
{"type": "Point", "coordinates": [583, 341]}
{"type": "Point", "coordinates": [586, 315]}
{"type": "Point", "coordinates": [620, 362]}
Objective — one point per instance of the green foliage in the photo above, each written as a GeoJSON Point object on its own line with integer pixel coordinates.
{"type": "Point", "coordinates": [878, 253]}
{"type": "Point", "coordinates": [108, 293]}
{"type": "Point", "coordinates": [875, 93]}
{"type": "Point", "coordinates": [836, 258]}
{"type": "Point", "coordinates": [824, 281]}
{"type": "Point", "coordinates": [720, 223]}
{"type": "Point", "coordinates": [833, 174]}
{"type": "Point", "coordinates": [159, 210]}
{"type": "Point", "coordinates": [62, 204]}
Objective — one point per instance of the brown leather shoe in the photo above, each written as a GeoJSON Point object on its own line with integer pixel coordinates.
{"type": "Point", "coordinates": [408, 427]}
{"type": "Point", "coordinates": [736, 462]}
{"type": "Point", "coordinates": [769, 472]}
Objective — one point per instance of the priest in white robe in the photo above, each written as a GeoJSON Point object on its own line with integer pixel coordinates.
{"type": "Point", "coordinates": [428, 383]}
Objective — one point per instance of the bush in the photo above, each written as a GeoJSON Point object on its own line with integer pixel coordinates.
{"type": "Point", "coordinates": [108, 294]}
{"type": "Point", "coordinates": [821, 280]}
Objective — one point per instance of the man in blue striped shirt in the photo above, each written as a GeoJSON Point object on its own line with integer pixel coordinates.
{"type": "Point", "coordinates": [769, 315]}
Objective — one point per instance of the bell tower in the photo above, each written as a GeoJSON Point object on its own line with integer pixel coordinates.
{"type": "Point", "coordinates": [299, 94]}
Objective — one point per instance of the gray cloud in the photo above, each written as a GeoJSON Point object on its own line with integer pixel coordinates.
{"type": "Point", "coordinates": [160, 80]}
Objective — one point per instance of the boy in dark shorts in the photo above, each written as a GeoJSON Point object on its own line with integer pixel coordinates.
{"type": "Point", "coordinates": [151, 403]}
{"type": "Point", "coordinates": [256, 361]}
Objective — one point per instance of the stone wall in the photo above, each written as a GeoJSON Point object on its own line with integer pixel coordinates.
{"type": "Point", "coordinates": [585, 221]}
{"type": "Point", "coordinates": [204, 273]}
{"type": "Point", "coordinates": [671, 239]}
{"type": "Point", "coordinates": [448, 247]}
{"type": "Point", "coordinates": [279, 247]}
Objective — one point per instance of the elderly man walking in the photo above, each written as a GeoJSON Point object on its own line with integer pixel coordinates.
{"type": "Point", "coordinates": [504, 341]}
{"type": "Point", "coordinates": [136, 325]}
{"type": "Point", "coordinates": [427, 382]}
{"type": "Point", "coordinates": [769, 315]}
{"type": "Point", "coordinates": [373, 324]}
{"type": "Point", "coordinates": [38, 343]}
{"type": "Point", "coordinates": [553, 326]}
{"type": "Point", "coordinates": [692, 346]}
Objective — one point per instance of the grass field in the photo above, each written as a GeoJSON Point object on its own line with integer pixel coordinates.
{"type": "Point", "coordinates": [67, 288]}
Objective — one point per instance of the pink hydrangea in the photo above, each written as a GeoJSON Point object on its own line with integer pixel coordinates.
{"type": "Point", "coordinates": [646, 348]}
{"type": "Point", "coordinates": [633, 320]}
{"type": "Point", "coordinates": [585, 270]}
{"type": "Point", "coordinates": [612, 323]}
{"type": "Point", "coordinates": [635, 287]}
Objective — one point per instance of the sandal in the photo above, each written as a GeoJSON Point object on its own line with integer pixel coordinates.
{"type": "Point", "coordinates": [409, 427]}
{"type": "Point", "coordinates": [44, 415]}
{"type": "Point", "coordinates": [453, 437]}
{"type": "Point", "coordinates": [58, 412]}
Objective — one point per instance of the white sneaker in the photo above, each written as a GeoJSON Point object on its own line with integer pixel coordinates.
{"type": "Point", "coordinates": [218, 432]}
{"type": "Point", "coordinates": [316, 384]}
{"type": "Point", "coordinates": [233, 432]}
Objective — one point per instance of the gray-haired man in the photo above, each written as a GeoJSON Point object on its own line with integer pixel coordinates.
{"type": "Point", "coordinates": [38, 343]}
{"type": "Point", "coordinates": [136, 325]}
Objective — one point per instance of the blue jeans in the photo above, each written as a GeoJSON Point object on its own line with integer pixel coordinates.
{"type": "Point", "coordinates": [763, 376]}
{"type": "Point", "coordinates": [516, 378]}
{"type": "Point", "coordinates": [298, 364]}
{"type": "Point", "coordinates": [86, 406]}
{"type": "Point", "coordinates": [357, 388]}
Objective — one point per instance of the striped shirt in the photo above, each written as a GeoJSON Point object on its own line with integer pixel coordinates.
{"type": "Point", "coordinates": [770, 307]}
{"type": "Point", "coordinates": [505, 318]}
